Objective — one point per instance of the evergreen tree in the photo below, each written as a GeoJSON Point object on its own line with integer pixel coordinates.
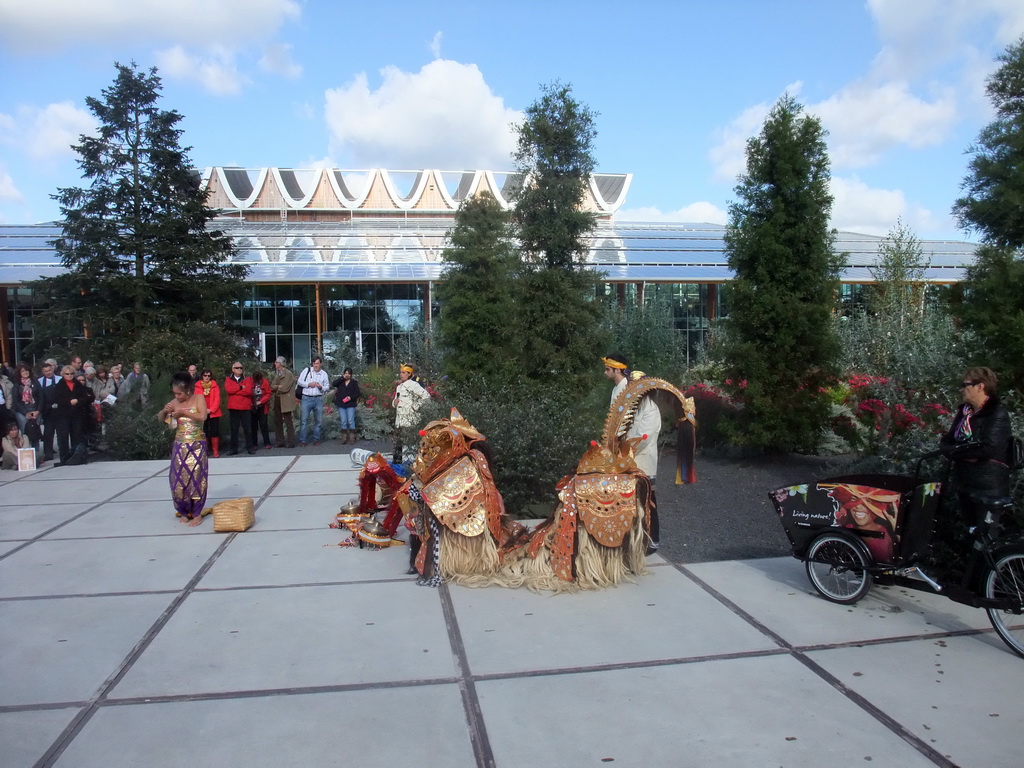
{"type": "Point", "coordinates": [135, 241]}
{"type": "Point", "coordinates": [899, 276]}
{"type": "Point", "coordinates": [780, 340]}
{"type": "Point", "coordinates": [554, 159]}
{"type": "Point", "coordinates": [477, 321]}
{"type": "Point", "coordinates": [993, 206]}
{"type": "Point", "coordinates": [993, 308]}
{"type": "Point", "coordinates": [993, 203]}
{"type": "Point", "coordinates": [557, 310]}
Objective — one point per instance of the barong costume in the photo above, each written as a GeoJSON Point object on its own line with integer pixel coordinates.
{"type": "Point", "coordinates": [461, 515]}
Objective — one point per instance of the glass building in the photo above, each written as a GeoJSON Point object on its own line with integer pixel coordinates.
{"type": "Point", "coordinates": [354, 256]}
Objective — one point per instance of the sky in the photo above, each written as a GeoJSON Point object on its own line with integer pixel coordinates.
{"type": "Point", "coordinates": [678, 86]}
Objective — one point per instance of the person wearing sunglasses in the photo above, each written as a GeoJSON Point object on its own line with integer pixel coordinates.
{"type": "Point", "coordinates": [978, 442]}
{"type": "Point", "coordinates": [207, 387]}
{"type": "Point", "coordinates": [239, 390]}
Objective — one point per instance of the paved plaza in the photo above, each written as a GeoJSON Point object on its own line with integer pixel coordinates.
{"type": "Point", "coordinates": [129, 639]}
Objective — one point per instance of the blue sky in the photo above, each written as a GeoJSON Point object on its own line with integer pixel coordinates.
{"type": "Point", "coordinates": [679, 87]}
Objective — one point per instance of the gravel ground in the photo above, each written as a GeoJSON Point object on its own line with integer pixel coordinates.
{"type": "Point", "coordinates": [726, 514]}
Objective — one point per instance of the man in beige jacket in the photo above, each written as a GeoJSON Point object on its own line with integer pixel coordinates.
{"type": "Point", "coordinates": [283, 403]}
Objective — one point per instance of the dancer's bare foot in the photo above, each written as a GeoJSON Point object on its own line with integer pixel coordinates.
{"type": "Point", "coordinates": [182, 519]}
{"type": "Point", "coordinates": [195, 521]}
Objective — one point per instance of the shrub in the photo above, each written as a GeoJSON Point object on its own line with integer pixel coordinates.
{"type": "Point", "coordinates": [537, 437]}
{"type": "Point", "coordinates": [132, 432]}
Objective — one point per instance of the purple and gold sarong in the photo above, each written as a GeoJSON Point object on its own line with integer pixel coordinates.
{"type": "Point", "coordinates": [189, 473]}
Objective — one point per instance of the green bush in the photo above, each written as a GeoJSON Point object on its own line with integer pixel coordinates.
{"type": "Point", "coordinates": [537, 437]}
{"type": "Point", "coordinates": [132, 432]}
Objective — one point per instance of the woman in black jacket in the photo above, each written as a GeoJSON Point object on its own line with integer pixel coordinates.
{"type": "Point", "coordinates": [74, 403]}
{"type": "Point", "coordinates": [979, 442]}
{"type": "Point", "coordinates": [346, 394]}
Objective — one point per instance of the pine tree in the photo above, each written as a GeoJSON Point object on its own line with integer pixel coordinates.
{"type": "Point", "coordinates": [135, 242]}
{"type": "Point", "coordinates": [558, 312]}
{"type": "Point", "coordinates": [993, 206]}
{"type": "Point", "coordinates": [477, 321]}
{"type": "Point", "coordinates": [781, 342]}
{"type": "Point", "coordinates": [993, 203]}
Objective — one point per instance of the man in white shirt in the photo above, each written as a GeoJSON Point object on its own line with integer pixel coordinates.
{"type": "Point", "coordinates": [646, 424]}
{"type": "Point", "coordinates": [314, 383]}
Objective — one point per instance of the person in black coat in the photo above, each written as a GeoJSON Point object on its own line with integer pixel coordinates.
{"type": "Point", "coordinates": [74, 403]}
{"type": "Point", "coordinates": [346, 395]}
{"type": "Point", "coordinates": [978, 442]}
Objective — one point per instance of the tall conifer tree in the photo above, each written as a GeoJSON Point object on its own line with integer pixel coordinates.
{"type": "Point", "coordinates": [477, 321]}
{"type": "Point", "coordinates": [557, 311]}
{"type": "Point", "coordinates": [781, 344]}
{"type": "Point", "coordinates": [135, 241]}
{"type": "Point", "coordinates": [993, 206]}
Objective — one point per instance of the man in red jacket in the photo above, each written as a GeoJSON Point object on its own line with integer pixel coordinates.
{"type": "Point", "coordinates": [239, 389]}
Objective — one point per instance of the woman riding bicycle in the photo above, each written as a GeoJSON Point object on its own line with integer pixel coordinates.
{"type": "Point", "coordinates": [978, 442]}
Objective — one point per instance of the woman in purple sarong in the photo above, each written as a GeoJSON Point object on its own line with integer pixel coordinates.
{"type": "Point", "coordinates": [189, 473]}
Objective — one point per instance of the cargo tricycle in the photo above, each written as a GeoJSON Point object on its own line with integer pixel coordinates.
{"type": "Point", "coordinates": [855, 530]}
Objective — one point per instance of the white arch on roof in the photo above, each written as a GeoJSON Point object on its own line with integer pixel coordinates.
{"type": "Point", "coordinates": [307, 191]}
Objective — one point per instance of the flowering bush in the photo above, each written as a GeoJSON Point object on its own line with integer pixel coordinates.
{"type": "Point", "coordinates": [714, 409]}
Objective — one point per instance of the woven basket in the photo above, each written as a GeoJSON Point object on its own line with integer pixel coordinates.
{"type": "Point", "coordinates": [233, 515]}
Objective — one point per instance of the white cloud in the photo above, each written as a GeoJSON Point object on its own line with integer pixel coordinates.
{"type": "Point", "coordinates": [728, 156]}
{"type": "Point", "coordinates": [216, 71]}
{"type": "Point", "coordinates": [694, 213]}
{"type": "Point", "coordinates": [46, 25]}
{"type": "Point", "coordinates": [444, 116]}
{"type": "Point", "coordinates": [435, 45]}
{"type": "Point", "coordinates": [919, 36]}
{"type": "Point", "coordinates": [9, 192]}
{"type": "Point", "coordinates": [864, 121]}
{"type": "Point", "coordinates": [277, 59]}
{"type": "Point", "coordinates": [46, 133]}
{"type": "Point", "coordinates": [873, 211]}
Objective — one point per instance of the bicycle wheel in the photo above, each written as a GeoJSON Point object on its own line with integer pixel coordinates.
{"type": "Point", "coordinates": [1006, 582]}
{"type": "Point", "coordinates": [838, 568]}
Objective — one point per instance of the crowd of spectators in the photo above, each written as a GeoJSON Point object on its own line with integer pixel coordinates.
{"type": "Point", "coordinates": [59, 410]}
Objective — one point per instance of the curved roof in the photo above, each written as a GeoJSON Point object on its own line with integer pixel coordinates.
{"type": "Point", "coordinates": [409, 250]}
{"type": "Point", "coordinates": [377, 191]}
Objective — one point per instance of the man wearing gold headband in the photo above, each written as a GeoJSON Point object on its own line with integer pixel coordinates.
{"type": "Point", "coordinates": [409, 396]}
{"type": "Point", "coordinates": [646, 424]}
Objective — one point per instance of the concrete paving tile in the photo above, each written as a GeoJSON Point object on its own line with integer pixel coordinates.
{"type": "Point", "coordinates": [130, 518]}
{"type": "Point", "coordinates": [338, 462]}
{"type": "Point", "coordinates": [64, 649]}
{"type": "Point", "coordinates": [220, 486]}
{"type": "Point", "coordinates": [57, 490]}
{"type": "Point", "coordinates": [263, 462]}
{"type": "Point", "coordinates": [295, 637]}
{"type": "Point", "coordinates": [776, 592]}
{"type": "Point", "coordinates": [302, 557]}
{"type": "Point", "coordinates": [299, 512]}
{"type": "Point", "coordinates": [371, 729]}
{"type": "Point", "coordinates": [89, 566]}
{"type": "Point", "coordinates": [25, 736]}
{"type": "Point", "coordinates": [29, 521]}
{"type": "Point", "coordinates": [514, 630]}
{"type": "Point", "coordinates": [742, 712]}
{"type": "Point", "coordinates": [317, 483]}
{"type": "Point", "coordinates": [961, 695]}
{"type": "Point", "coordinates": [100, 469]}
